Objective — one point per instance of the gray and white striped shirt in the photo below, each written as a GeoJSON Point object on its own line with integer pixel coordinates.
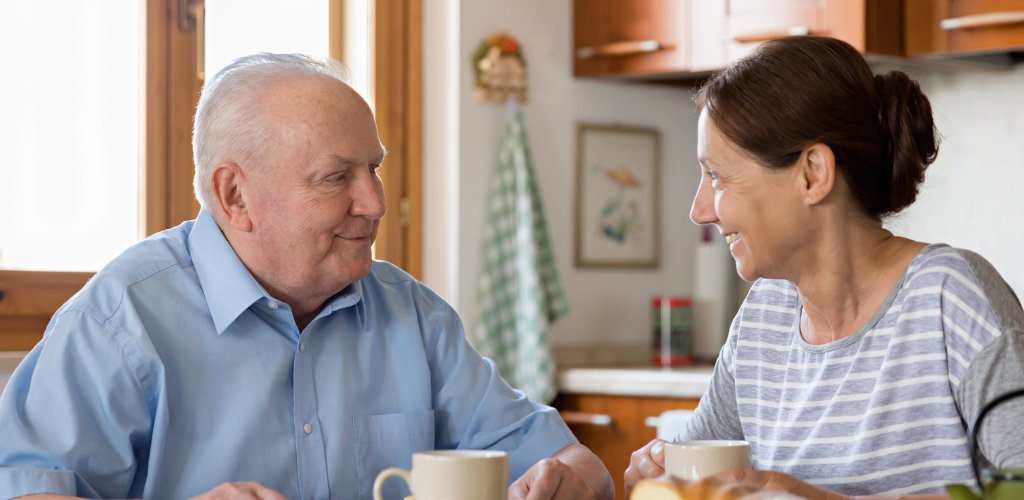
{"type": "Point", "coordinates": [881, 412]}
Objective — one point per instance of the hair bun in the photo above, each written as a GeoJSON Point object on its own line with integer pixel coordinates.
{"type": "Point", "coordinates": [905, 119]}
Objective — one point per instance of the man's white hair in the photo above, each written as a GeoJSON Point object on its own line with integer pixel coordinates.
{"type": "Point", "coordinates": [229, 125]}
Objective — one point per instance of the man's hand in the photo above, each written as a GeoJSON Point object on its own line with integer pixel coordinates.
{"type": "Point", "coordinates": [646, 463]}
{"type": "Point", "coordinates": [572, 473]}
{"type": "Point", "coordinates": [550, 479]}
{"type": "Point", "coordinates": [241, 491]}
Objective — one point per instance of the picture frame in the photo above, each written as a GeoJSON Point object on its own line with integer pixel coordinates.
{"type": "Point", "coordinates": [618, 207]}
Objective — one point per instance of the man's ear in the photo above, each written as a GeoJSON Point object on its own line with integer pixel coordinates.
{"type": "Point", "coordinates": [228, 183]}
{"type": "Point", "coordinates": [818, 173]}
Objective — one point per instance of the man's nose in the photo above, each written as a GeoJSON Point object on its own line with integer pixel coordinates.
{"type": "Point", "coordinates": [368, 199]}
{"type": "Point", "coordinates": [703, 209]}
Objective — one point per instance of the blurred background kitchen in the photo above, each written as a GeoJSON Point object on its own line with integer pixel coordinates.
{"type": "Point", "coordinates": [97, 97]}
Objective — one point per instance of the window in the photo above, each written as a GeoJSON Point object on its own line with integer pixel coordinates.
{"type": "Point", "coordinates": [69, 133]}
{"type": "Point", "coordinates": [97, 126]}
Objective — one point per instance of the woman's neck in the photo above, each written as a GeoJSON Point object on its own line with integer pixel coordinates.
{"type": "Point", "coordinates": [846, 275]}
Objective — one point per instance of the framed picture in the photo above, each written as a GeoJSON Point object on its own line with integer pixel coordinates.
{"type": "Point", "coordinates": [617, 206]}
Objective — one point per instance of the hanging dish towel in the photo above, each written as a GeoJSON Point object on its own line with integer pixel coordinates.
{"type": "Point", "coordinates": [519, 293]}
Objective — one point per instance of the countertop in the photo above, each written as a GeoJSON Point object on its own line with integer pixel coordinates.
{"type": "Point", "coordinates": [688, 382]}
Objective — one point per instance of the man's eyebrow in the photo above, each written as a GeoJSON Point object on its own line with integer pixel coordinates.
{"type": "Point", "coordinates": [341, 162]}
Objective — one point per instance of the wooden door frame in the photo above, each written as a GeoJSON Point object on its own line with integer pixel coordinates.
{"type": "Point", "coordinates": [398, 102]}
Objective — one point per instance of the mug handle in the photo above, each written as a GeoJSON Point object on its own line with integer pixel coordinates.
{"type": "Point", "coordinates": [378, 484]}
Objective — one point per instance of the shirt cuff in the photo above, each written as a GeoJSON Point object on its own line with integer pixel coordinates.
{"type": "Point", "coordinates": [542, 443]}
{"type": "Point", "coordinates": [16, 482]}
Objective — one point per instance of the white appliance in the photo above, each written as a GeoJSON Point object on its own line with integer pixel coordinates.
{"type": "Point", "coordinates": [670, 423]}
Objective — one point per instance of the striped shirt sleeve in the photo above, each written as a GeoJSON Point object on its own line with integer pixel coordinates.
{"type": "Point", "coordinates": [717, 417]}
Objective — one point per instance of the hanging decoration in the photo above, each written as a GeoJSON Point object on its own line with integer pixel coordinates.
{"type": "Point", "coordinates": [499, 70]}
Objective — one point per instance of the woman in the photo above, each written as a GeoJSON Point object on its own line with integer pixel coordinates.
{"type": "Point", "coordinates": [858, 355]}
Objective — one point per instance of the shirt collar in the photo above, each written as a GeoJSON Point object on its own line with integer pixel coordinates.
{"type": "Point", "coordinates": [228, 286]}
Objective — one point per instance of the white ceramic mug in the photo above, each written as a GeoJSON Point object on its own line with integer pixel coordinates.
{"type": "Point", "coordinates": [452, 475]}
{"type": "Point", "coordinates": [692, 460]}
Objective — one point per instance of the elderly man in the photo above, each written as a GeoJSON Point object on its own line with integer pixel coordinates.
{"type": "Point", "coordinates": [258, 351]}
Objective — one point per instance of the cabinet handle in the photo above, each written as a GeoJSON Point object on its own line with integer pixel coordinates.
{"type": "Point", "coordinates": [621, 49]}
{"type": "Point", "coordinates": [983, 20]}
{"type": "Point", "coordinates": [768, 35]}
{"type": "Point", "coordinates": [576, 417]}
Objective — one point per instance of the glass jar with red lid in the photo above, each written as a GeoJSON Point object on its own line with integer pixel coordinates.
{"type": "Point", "coordinates": [672, 329]}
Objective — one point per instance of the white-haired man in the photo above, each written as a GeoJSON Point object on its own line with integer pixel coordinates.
{"type": "Point", "coordinates": [258, 351]}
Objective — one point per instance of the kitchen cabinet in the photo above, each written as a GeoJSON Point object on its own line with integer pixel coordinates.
{"type": "Point", "coordinates": [631, 37]}
{"type": "Point", "coordinates": [613, 427]}
{"type": "Point", "coordinates": [680, 38]}
{"type": "Point", "coordinates": [966, 29]}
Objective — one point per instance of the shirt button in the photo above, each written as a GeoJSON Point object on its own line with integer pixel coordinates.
{"type": "Point", "coordinates": [272, 305]}
{"type": "Point", "coordinates": [308, 428]}
{"type": "Point", "coordinates": [302, 346]}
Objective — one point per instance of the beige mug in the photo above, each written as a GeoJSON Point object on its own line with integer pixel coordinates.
{"type": "Point", "coordinates": [692, 460]}
{"type": "Point", "coordinates": [452, 475]}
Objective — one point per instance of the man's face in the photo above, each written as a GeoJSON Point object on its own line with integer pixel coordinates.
{"type": "Point", "coordinates": [316, 205]}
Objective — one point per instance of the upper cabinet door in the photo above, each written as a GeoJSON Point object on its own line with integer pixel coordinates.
{"type": "Point", "coordinates": [964, 26]}
{"type": "Point", "coordinates": [749, 22]}
{"type": "Point", "coordinates": [683, 39]}
{"type": "Point", "coordinates": [631, 37]}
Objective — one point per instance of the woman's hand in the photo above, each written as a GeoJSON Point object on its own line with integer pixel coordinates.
{"type": "Point", "coordinates": [778, 481]}
{"type": "Point", "coordinates": [647, 462]}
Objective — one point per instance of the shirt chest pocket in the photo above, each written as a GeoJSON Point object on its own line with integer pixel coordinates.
{"type": "Point", "coordinates": [389, 440]}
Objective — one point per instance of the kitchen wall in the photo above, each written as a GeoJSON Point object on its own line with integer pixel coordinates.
{"type": "Point", "coordinates": [608, 306]}
{"type": "Point", "coordinates": [972, 196]}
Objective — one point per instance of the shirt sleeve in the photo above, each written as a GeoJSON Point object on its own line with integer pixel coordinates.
{"type": "Point", "coordinates": [984, 339]}
{"type": "Point", "coordinates": [73, 416]}
{"type": "Point", "coordinates": [997, 370]}
{"type": "Point", "coordinates": [476, 409]}
{"type": "Point", "coordinates": [717, 416]}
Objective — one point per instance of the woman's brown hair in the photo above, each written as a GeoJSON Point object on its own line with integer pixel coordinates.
{"type": "Point", "coordinates": [797, 91]}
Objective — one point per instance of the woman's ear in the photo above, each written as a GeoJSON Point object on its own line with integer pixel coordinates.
{"type": "Point", "coordinates": [818, 168]}
{"type": "Point", "coordinates": [228, 183]}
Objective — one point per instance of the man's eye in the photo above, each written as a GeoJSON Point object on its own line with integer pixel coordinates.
{"type": "Point", "coordinates": [374, 168]}
{"type": "Point", "coordinates": [336, 178]}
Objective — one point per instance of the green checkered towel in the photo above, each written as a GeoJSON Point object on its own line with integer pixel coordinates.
{"type": "Point", "coordinates": [519, 292]}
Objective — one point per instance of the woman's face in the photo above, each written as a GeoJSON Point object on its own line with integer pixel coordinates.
{"type": "Point", "coordinates": [757, 209]}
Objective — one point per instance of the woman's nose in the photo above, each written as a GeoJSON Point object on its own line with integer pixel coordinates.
{"type": "Point", "coordinates": [703, 209]}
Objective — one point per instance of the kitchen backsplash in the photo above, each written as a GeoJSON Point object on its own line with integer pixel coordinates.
{"type": "Point", "coordinates": [972, 195]}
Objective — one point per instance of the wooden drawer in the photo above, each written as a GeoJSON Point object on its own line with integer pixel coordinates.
{"type": "Point", "coordinates": [626, 433]}
{"type": "Point", "coordinates": [964, 26]}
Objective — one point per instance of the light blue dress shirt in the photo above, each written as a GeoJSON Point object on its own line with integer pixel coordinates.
{"type": "Point", "coordinates": [172, 371]}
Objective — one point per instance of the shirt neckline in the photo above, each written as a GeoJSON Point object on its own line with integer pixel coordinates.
{"type": "Point", "coordinates": [228, 286]}
{"type": "Point", "coordinates": [860, 333]}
